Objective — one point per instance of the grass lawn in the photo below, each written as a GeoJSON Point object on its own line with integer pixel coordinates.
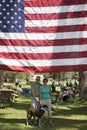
{"type": "Point", "coordinates": [70, 116]}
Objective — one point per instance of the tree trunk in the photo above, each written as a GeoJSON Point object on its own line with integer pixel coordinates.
{"type": "Point", "coordinates": [1, 79]}
{"type": "Point", "coordinates": [83, 85]}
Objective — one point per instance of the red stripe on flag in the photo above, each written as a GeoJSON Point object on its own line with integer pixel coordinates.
{"type": "Point", "coordinates": [39, 56]}
{"type": "Point", "coordinates": [60, 42]}
{"type": "Point", "coordinates": [40, 3]}
{"type": "Point", "coordinates": [35, 69]}
{"type": "Point", "coordinates": [56, 29]}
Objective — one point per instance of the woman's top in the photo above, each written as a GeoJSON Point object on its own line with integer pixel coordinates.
{"type": "Point", "coordinates": [45, 92]}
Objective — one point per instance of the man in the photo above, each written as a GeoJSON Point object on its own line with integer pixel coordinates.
{"type": "Point", "coordinates": [35, 92]}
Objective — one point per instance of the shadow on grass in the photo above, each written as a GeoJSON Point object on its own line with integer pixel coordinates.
{"type": "Point", "coordinates": [71, 110]}
{"type": "Point", "coordinates": [21, 103]}
{"type": "Point", "coordinates": [20, 106]}
{"type": "Point", "coordinates": [59, 123]}
{"type": "Point", "coordinates": [14, 120]}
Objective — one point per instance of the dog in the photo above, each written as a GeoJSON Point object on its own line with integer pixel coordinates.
{"type": "Point", "coordinates": [39, 113]}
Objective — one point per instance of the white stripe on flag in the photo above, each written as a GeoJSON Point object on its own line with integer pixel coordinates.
{"type": "Point", "coordinates": [44, 49]}
{"type": "Point", "coordinates": [50, 23]}
{"type": "Point", "coordinates": [44, 36]}
{"type": "Point", "coordinates": [55, 9]}
{"type": "Point", "coordinates": [52, 62]}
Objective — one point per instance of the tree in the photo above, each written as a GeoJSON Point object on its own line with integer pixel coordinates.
{"type": "Point", "coordinates": [83, 85]}
{"type": "Point", "coordinates": [1, 79]}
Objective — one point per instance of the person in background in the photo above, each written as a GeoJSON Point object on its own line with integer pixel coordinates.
{"type": "Point", "coordinates": [19, 90]}
{"type": "Point", "coordinates": [53, 86]}
{"type": "Point", "coordinates": [70, 84]}
{"type": "Point", "coordinates": [35, 92]}
{"type": "Point", "coordinates": [75, 86]}
{"type": "Point", "coordinates": [62, 87]}
{"type": "Point", "coordinates": [45, 98]}
{"type": "Point", "coordinates": [16, 82]}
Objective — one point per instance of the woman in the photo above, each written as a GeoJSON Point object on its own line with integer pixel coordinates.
{"type": "Point", "coordinates": [45, 97]}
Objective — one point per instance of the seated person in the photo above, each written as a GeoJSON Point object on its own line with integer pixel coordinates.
{"type": "Point", "coordinates": [19, 90]}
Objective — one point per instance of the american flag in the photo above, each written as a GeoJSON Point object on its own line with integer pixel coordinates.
{"type": "Point", "coordinates": [43, 35]}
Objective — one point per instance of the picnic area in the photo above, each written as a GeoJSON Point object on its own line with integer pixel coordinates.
{"type": "Point", "coordinates": [66, 115]}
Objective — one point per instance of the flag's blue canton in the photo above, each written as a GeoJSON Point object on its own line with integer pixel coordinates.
{"type": "Point", "coordinates": [11, 15]}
